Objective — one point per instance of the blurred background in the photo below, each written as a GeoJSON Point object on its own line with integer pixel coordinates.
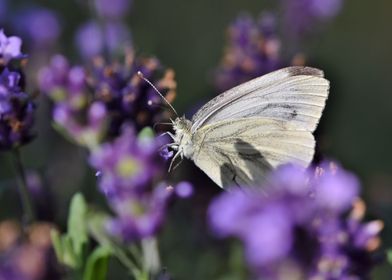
{"type": "Point", "coordinates": [353, 47]}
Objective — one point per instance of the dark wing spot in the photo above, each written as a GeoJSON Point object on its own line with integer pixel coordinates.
{"type": "Point", "coordinates": [293, 114]}
{"type": "Point", "coordinates": [308, 71]}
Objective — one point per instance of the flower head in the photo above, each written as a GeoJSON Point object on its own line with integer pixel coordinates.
{"type": "Point", "coordinates": [302, 15]}
{"type": "Point", "coordinates": [10, 48]}
{"type": "Point", "coordinates": [299, 226]}
{"type": "Point", "coordinates": [253, 50]}
{"type": "Point", "coordinates": [130, 176]}
{"type": "Point", "coordinates": [3, 10]}
{"type": "Point", "coordinates": [128, 164]}
{"type": "Point", "coordinates": [139, 215]}
{"type": "Point", "coordinates": [40, 26]}
{"type": "Point", "coordinates": [16, 110]}
{"type": "Point", "coordinates": [112, 9]}
{"type": "Point", "coordinates": [94, 38]}
{"type": "Point", "coordinates": [93, 103]}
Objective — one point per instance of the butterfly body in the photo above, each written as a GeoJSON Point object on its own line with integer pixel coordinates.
{"type": "Point", "coordinates": [238, 136]}
{"type": "Point", "coordinates": [183, 137]}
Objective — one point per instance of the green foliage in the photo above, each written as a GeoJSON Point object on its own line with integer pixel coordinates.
{"type": "Point", "coordinates": [72, 247]}
{"type": "Point", "coordinates": [128, 258]}
{"type": "Point", "coordinates": [77, 229]}
{"type": "Point", "coordinates": [97, 264]}
{"type": "Point", "coordinates": [389, 256]}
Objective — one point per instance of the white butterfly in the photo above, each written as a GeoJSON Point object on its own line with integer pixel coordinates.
{"type": "Point", "coordinates": [238, 136]}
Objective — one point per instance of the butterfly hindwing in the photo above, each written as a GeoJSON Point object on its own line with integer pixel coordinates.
{"type": "Point", "coordinates": [241, 152]}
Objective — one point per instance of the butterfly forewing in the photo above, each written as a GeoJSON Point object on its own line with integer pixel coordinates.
{"type": "Point", "coordinates": [294, 94]}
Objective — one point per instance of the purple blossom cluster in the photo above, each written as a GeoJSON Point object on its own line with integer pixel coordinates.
{"type": "Point", "coordinates": [16, 106]}
{"type": "Point", "coordinates": [94, 38]}
{"type": "Point", "coordinates": [130, 175]}
{"type": "Point", "coordinates": [253, 49]}
{"type": "Point", "coordinates": [108, 34]}
{"type": "Point", "coordinates": [39, 26]}
{"type": "Point", "coordinates": [92, 103]}
{"type": "Point", "coordinates": [304, 226]}
{"type": "Point", "coordinates": [302, 15]}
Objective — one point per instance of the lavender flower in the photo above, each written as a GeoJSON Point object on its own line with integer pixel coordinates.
{"type": "Point", "coordinates": [93, 103]}
{"type": "Point", "coordinates": [112, 9]}
{"type": "Point", "coordinates": [126, 165]}
{"type": "Point", "coordinates": [94, 38]}
{"type": "Point", "coordinates": [302, 15]}
{"type": "Point", "coordinates": [300, 229]}
{"type": "Point", "coordinates": [139, 215]}
{"type": "Point", "coordinates": [130, 175]}
{"type": "Point", "coordinates": [253, 50]}
{"type": "Point", "coordinates": [39, 25]}
{"type": "Point", "coordinates": [10, 48]}
{"type": "Point", "coordinates": [3, 10]}
{"type": "Point", "coordinates": [16, 109]}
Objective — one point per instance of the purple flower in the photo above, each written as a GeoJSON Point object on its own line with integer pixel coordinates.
{"type": "Point", "coordinates": [125, 97]}
{"type": "Point", "coordinates": [302, 15]}
{"type": "Point", "coordinates": [130, 176]}
{"type": "Point", "coordinates": [139, 215]}
{"type": "Point", "coordinates": [270, 238]}
{"type": "Point", "coordinates": [184, 190]}
{"type": "Point", "coordinates": [10, 48]}
{"type": "Point", "coordinates": [91, 131]}
{"type": "Point", "coordinates": [89, 39]}
{"type": "Point", "coordinates": [112, 9]}
{"type": "Point", "coordinates": [336, 190]}
{"type": "Point", "coordinates": [127, 164]}
{"type": "Point", "coordinates": [299, 225]}
{"type": "Point", "coordinates": [253, 49]}
{"type": "Point", "coordinates": [93, 38]}
{"type": "Point", "coordinates": [16, 111]}
{"type": "Point", "coordinates": [40, 25]}
{"type": "Point", "coordinates": [3, 10]}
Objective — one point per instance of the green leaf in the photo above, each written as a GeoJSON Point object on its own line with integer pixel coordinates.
{"type": "Point", "coordinates": [69, 257]}
{"type": "Point", "coordinates": [96, 224]}
{"type": "Point", "coordinates": [97, 264]}
{"type": "Point", "coordinates": [389, 256]}
{"type": "Point", "coordinates": [57, 244]}
{"type": "Point", "coordinates": [77, 224]}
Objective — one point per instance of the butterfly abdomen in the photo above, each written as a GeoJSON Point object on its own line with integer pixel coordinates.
{"type": "Point", "coordinates": [183, 136]}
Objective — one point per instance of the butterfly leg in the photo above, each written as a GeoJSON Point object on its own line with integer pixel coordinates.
{"type": "Point", "coordinates": [174, 146]}
{"type": "Point", "coordinates": [168, 133]}
{"type": "Point", "coordinates": [179, 153]}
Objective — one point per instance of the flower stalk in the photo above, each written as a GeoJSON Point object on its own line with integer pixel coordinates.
{"type": "Point", "coordinates": [24, 194]}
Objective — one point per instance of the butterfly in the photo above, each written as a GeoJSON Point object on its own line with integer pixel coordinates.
{"type": "Point", "coordinates": [241, 134]}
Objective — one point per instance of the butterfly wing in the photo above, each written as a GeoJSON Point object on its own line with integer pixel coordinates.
{"type": "Point", "coordinates": [241, 152]}
{"type": "Point", "coordinates": [295, 95]}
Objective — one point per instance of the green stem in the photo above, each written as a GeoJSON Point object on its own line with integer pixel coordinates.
{"type": "Point", "coordinates": [152, 263]}
{"type": "Point", "coordinates": [122, 257]}
{"type": "Point", "coordinates": [24, 194]}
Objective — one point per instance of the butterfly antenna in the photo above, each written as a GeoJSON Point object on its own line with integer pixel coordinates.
{"type": "Point", "coordinates": [140, 74]}
{"type": "Point", "coordinates": [161, 123]}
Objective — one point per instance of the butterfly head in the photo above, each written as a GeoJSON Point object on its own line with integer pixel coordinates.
{"type": "Point", "coordinates": [181, 123]}
{"type": "Point", "coordinates": [181, 127]}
